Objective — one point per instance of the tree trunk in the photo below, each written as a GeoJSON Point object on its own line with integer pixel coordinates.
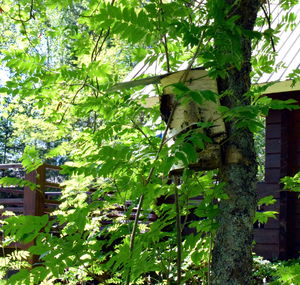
{"type": "Point", "coordinates": [231, 257]}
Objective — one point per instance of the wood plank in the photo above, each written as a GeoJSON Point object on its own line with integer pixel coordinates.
{"type": "Point", "coordinates": [268, 251]}
{"type": "Point", "coordinates": [281, 86]}
{"type": "Point", "coordinates": [273, 146]}
{"type": "Point", "coordinates": [53, 193]}
{"type": "Point", "coordinates": [266, 236]}
{"type": "Point", "coordinates": [274, 207]}
{"type": "Point", "coordinates": [12, 190]}
{"type": "Point", "coordinates": [142, 82]}
{"type": "Point", "coordinates": [12, 165]}
{"type": "Point", "coordinates": [297, 144]}
{"type": "Point", "coordinates": [29, 195]}
{"type": "Point", "coordinates": [54, 202]}
{"type": "Point", "coordinates": [41, 171]}
{"type": "Point", "coordinates": [295, 209]}
{"type": "Point", "coordinates": [273, 131]}
{"type": "Point", "coordinates": [54, 167]}
{"type": "Point", "coordinates": [295, 221]}
{"type": "Point", "coordinates": [266, 189]}
{"type": "Point", "coordinates": [273, 175]}
{"type": "Point", "coordinates": [275, 116]}
{"type": "Point", "coordinates": [294, 236]}
{"type": "Point", "coordinates": [296, 160]}
{"type": "Point", "coordinates": [52, 185]}
{"type": "Point", "coordinates": [13, 209]}
{"type": "Point", "coordinates": [11, 201]}
{"type": "Point", "coordinates": [272, 224]}
{"type": "Point", "coordinates": [296, 115]}
{"type": "Point", "coordinates": [273, 160]}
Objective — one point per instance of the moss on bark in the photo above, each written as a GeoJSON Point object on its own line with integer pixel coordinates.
{"type": "Point", "coordinates": [232, 253]}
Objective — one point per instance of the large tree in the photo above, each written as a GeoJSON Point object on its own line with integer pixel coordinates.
{"type": "Point", "coordinates": [67, 78]}
{"type": "Point", "coordinates": [232, 254]}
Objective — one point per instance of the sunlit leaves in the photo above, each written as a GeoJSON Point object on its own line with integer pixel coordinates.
{"type": "Point", "coordinates": [292, 183]}
{"type": "Point", "coordinates": [23, 228]}
{"type": "Point", "coordinates": [13, 181]}
{"type": "Point", "coordinates": [288, 274]}
{"type": "Point", "coordinates": [30, 159]}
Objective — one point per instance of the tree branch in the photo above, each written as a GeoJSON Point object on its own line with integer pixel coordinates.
{"type": "Point", "coordinates": [147, 181]}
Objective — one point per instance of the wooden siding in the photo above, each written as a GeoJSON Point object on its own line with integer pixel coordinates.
{"type": "Point", "coordinates": [281, 238]}
{"type": "Point", "coordinates": [271, 238]}
{"type": "Point", "coordinates": [293, 212]}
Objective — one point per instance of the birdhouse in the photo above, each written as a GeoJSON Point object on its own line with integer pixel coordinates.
{"type": "Point", "coordinates": [188, 115]}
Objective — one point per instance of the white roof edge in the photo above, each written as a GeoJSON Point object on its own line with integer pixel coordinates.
{"type": "Point", "coordinates": [281, 86]}
{"type": "Point", "coordinates": [277, 87]}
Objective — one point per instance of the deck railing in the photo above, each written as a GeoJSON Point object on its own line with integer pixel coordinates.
{"type": "Point", "coordinates": [44, 200]}
{"type": "Point", "coordinates": [22, 200]}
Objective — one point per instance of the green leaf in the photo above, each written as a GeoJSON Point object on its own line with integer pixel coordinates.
{"type": "Point", "coordinates": [289, 104]}
{"type": "Point", "coordinates": [31, 159]}
{"type": "Point", "coordinates": [209, 95]}
{"type": "Point", "coordinates": [24, 228]}
{"type": "Point", "coordinates": [263, 217]}
{"type": "Point", "coordinates": [9, 181]}
{"type": "Point", "coordinates": [268, 200]}
{"type": "Point", "coordinates": [196, 97]}
{"type": "Point", "coordinates": [190, 152]}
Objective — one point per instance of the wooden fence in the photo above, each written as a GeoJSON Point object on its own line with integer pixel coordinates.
{"type": "Point", "coordinates": [22, 200]}
{"type": "Point", "coordinates": [271, 240]}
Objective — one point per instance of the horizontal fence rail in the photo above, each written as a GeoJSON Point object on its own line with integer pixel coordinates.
{"type": "Point", "coordinates": [46, 199]}
{"type": "Point", "coordinates": [24, 201]}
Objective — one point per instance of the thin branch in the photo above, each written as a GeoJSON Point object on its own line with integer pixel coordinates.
{"type": "Point", "coordinates": [31, 16]}
{"type": "Point", "coordinates": [96, 50]}
{"type": "Point", "coordinates": [102, 44]}
{"type": "Point", "coordinates": [141, 199]}
{"type": "Point", "coordinates": [142, 132]}
{"type": "Point", "coordinates": [269, 26]}
{"type": "Point", "coordinates": [27, 37]}
{"type": "Point", "coordinates": [164, 37]}
{"type": "Point", "coordinates": [178, 232]}
{"type": "Point", "coordinates": [93, 57]}
{"type": "Point", "coordinates": [73, 99]}
{"type": "Point", "coordinates": [184, 76]}
{"type": "Point", "coordinates": [165, 43]}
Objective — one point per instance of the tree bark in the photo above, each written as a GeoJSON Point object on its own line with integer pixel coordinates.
{"type": "Point", "coordinates": [232, 253]}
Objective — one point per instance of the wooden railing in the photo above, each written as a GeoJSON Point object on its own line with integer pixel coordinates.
{"type": "Point", "coordinates": [22, 200]}
{"type": "Point", "coordinates": [44, 200]}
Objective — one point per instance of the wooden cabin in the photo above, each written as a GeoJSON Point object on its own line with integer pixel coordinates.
{"type": "Point", "coordinates": [280, 238]}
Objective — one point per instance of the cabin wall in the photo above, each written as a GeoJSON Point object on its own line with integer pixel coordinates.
{"type": "Point", "coordinates": [293, 211]}
{"type": "Point", "coordinates": [280, 238]}
{"type": "Point", "coordinates": [271, 237]}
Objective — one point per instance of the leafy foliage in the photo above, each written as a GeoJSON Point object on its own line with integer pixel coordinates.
{"type": "Point", "coordinates": [263, 216]}
{"type": "Point", "coordinates": [292, 183]}
{"type": "Point", "coordinates": [276, 272]}
{"type": "Point", "coordinates": [63, 57]}
{"type": "Point", "coordinates": [9, 181]}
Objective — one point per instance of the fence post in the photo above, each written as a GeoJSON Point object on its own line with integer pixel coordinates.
{"type": "Point", "coordinates": [34, 199]}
